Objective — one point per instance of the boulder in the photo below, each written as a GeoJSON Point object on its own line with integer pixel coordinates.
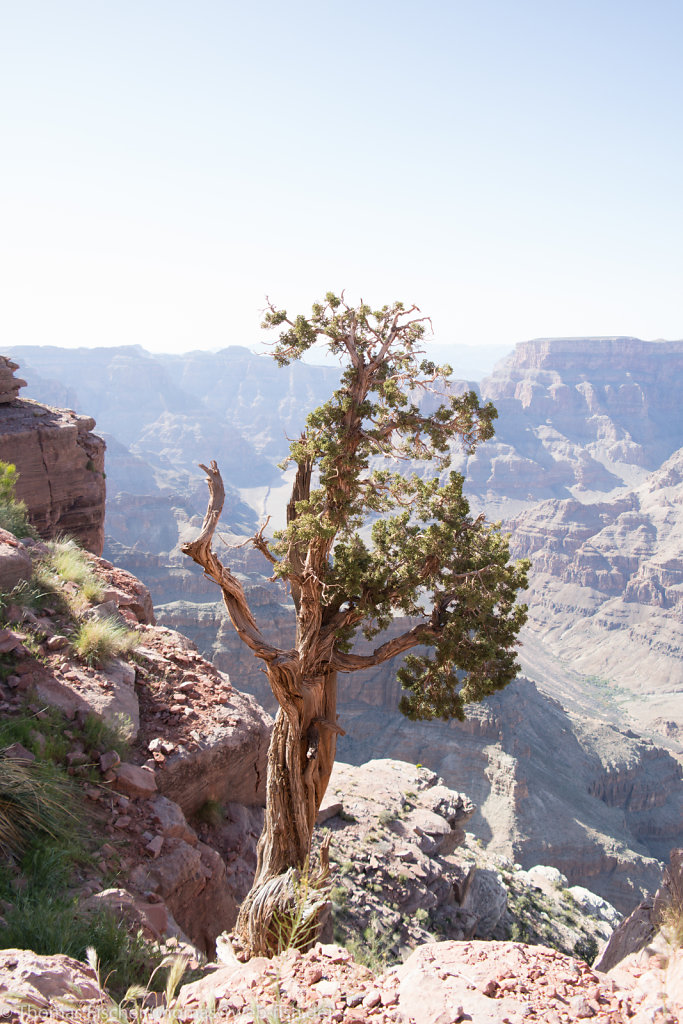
{"type": "Point", "coordinates": [228, 762]}
{"type": "Point", "coordinates": [15, 563]}
{"type": "Point", "coordinates": [171, 820]}
{"type": "Point", "coordinates": [486, 899]}
{"type": "Point", "coordinates": [152, 918]}
{"type": "Point", "coordinates": [30, 980]}
{"type": "Point", "coordinates": [133, 780]}
{"type": "Point", "coordinates": [192, 882]}
{"type": "Point", "coordinates": [9, 384]}
{"type": "Point", "coordinates": [110, 694]}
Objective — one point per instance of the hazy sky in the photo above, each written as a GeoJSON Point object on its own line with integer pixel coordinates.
{"type": "Point", "coordinates": [513, 166]}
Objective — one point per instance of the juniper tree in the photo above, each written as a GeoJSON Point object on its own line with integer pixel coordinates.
{"type": "Point", "coordinates": [367, 540]}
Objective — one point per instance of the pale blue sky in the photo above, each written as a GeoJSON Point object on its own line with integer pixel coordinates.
{"type": "Point", "coordinates": [513, 167]}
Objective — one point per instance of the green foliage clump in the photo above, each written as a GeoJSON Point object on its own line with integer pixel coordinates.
{"type": "Point", "coordinates": [295, 924]}
{"type": "Point", "coordinates": [376, 948]}
{"type": "Point", "coordinates": [586, 948]}
{"type": "Point", "coordinates": [13, 512]}
{"type": "Point", "coordinates": [98, 640]}
{"type": "Point", "coordinates": [44, 843]}
{"type": "Point", "coordinates": [427, 557]}
{"type": "Point", "coordinates": [49, 921]}
{"type": "Point", "coordinates": [32, 801]}
{"type": "Point", "coordinates": [211, 812]}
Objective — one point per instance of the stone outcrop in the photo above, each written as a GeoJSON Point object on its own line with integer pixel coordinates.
{"type": "Point", "coordinates": [60, 465]}
{"type": "Point", "coordinates": [404, 871]}
{"type": "Point", "coordinates": [615, 801]}
{"type": "Point", "coordinates": [40, 983]}
{"type": "Point", "coordinates": [193, 738]}
{"type": "Point", "coordinates": [9, 384]}
{"type": "Point", "coordinates": [644, 923]}
{"type": "Point", "coordinates": [15, 562]}
{"type": "Point", "coordinates": [441, 982]}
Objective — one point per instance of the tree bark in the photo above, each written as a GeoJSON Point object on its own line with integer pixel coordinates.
{"type": "Point", "coordinates": [300, 761]}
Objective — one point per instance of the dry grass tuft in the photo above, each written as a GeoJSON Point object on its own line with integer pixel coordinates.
{"type": "Point", "coordinates": [99, 640]}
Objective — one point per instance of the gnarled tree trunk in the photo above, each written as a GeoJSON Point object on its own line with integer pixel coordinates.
{"type": "Point", "coordinates": [300, 761]}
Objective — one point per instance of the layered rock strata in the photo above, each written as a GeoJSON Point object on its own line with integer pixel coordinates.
{"type": "Point", "coordinates": [60, 465]}
{"type": "Point", "coordinates": [9, 384]}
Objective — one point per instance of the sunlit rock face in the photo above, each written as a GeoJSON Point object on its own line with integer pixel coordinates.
{"type": "Point", "coordinates": [60, 465]}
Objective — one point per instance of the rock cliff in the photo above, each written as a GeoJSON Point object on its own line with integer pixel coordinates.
{"type": "Point", "coordinates": [60, 464]}
{"type": "Point", "coordinates": [193, 740]}
{"type": "Point", "coordinates": [606, 597]}
{"type": "Point", "coordinates": [579, 416]}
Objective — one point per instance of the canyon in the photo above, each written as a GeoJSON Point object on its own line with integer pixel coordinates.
{"type": "Point", "coordinates": [585, 473]}
{"type": "Point", "coordinates": [555, 785]}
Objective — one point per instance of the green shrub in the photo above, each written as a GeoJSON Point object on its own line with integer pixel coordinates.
{"type": "Point", "coordinates": [211, 812]}
{"type": "Point", "coordinates": [13, 512]}
{"type": "Point", "coordinates": [99, 735]}
{"type": "Point", "coordinates": [98, 640]}
{"type": "Point", "coordinates": [50, 923]}
{"type": "Point", "coordinates": [586, 948]}
{"type": "Point", "coordinates": [33, 801]}
{"type": "Point", "coordinates": [296, 922]}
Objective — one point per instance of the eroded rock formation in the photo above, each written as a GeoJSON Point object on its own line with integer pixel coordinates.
{"type": "Point", "coordinates": [60, 464]}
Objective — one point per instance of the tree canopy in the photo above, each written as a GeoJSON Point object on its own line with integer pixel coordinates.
{"type": "Point", "coordinates": [357, 448]}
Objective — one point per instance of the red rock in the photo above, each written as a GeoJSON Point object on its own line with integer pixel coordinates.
{"type": "Point", "coordinates": [17, 752]}
{"type": "Point", "coordinates": [53, 450]}
{"type": "Point", "coordinates": [155, 846]}
{"type": "Point", "coordinates": [35, 980]}
{"type": "Point", "coordinates": [373, 998]}
{"type": "Point", "coordinates": [134, 781]}
{"type": "Point", "coordinates": [57, 642]}
{"type": "Point", "coordinates": [109, 760]}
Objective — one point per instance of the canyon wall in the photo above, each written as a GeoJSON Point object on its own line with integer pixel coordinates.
{"type": "Point", "coordinates": [60, 465]}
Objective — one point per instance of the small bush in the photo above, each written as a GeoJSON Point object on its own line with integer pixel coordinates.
{"type": "Point", "coordinates": [27, 594]}
{"type": "Point", "coordinates": [211, 813]}
{"type": "Point", "coordinates": [669, 913]}
{"type": "Point", "coordinates": [50, 923]}
{"type": "Point", "coordinates": [13, 512]}
{"type": "Point", "coordinates": [72, 565]}
{"type": "Point", "coordinates": [98, 735]}
{"type": "Point", "coordinates": [586, 948]}
{"type": "Point", "coordinates": [305, 896]}
{"type": "Point", "coordinates": [99, 640]}
{"type": "Point", "coordinates": [33, 798]}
